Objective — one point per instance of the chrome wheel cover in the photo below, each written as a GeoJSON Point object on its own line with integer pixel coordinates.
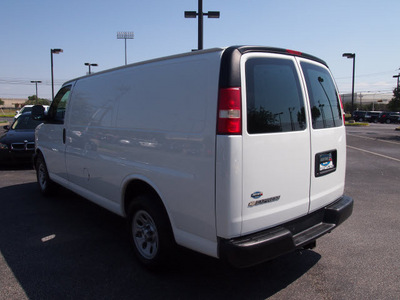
{"type": "Point", "coordinates": [42, 176]}
{"type": "Point", "coordinates": [145, 234]}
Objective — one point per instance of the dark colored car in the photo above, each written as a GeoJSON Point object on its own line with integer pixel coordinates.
{"type": "Point", "coordinates": [372, 116]}
{"type": "Point", "coordinates": [389, 117]}
{"type": "Point", "coordinates": [17, 144]}
{"type": "Point", "coordinates": [359, 115]}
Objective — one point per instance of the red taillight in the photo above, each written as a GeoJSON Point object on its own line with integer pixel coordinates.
{"type": "Point", "coordinates": [229, 111]}
{"type": "Point", "coordinates": [341, 104]}
{"type": "Point", "coordinates": [298, 53]}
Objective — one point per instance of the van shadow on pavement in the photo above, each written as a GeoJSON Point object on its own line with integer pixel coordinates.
{"type": "Point", "coordinates": [66, 247]}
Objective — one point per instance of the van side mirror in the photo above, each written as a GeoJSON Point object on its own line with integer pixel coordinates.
{"type": "Point", "coordinates": [38, 112]}
{"type": "Point", "coordinates": [6, 127]}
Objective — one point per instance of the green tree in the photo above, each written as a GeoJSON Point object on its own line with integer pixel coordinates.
{"type": "Point", "coordinates": [394, 104]}
{"type": "Point", "coordinates": [32, 101]}
{"type": "Point", "coordinates": [1, 102]}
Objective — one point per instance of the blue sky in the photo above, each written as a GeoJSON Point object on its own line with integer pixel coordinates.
{"type": "Point", "coordinates": [86, 30]}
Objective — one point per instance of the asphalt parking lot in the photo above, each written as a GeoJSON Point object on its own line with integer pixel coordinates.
{"type": "Point", "coordinates": [64, 247]}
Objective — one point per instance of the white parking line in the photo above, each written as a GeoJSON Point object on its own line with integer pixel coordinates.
{"type": "Point", "coordinates": [374, 139]}
{"type": "Point", "coordinates": [374, 153]}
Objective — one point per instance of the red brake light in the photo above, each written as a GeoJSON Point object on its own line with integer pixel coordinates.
{"type": "Point", "coordinates": [229, 111]}
{"type": "Point", "coordinates": [294, 52]}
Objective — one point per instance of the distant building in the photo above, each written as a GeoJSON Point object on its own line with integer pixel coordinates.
{"type": "Point", "coordinates": [13, 102]}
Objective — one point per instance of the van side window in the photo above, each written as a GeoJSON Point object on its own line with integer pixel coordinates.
{"type": "Point", "coordinates": [324, 101]}
{"type": "Point", "coordinates": [59, 104]}
{"type": "Point", "coordinates": [274, 99]}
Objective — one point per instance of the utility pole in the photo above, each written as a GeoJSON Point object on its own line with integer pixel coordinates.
{"type": "Point", "coordinates": [36, 82]}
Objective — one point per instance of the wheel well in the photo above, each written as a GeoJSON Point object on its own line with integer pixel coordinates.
{"type": "Point", "coordinates": [35, 157]}
{"type": "Point", "coordinates": [136, 188]}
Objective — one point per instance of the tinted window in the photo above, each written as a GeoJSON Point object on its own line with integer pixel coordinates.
{"type": "Point", "coordinates": [325, 105]}
{"type": "Point", "coordinates": [59, 104]}
{"type": "Point", "coordinates": [274, 98]}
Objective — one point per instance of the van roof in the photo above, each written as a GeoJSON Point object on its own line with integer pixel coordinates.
{"type": "Point", "coordinates": [232, 53]}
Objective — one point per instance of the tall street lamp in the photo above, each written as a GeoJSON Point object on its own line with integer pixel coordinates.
{"type": "Point", "coordinates": [125, 35]}
{"type": "Point", "coordinates": [36, 82]}
{"type": "Point", "coordinates": [90, 65]}
{"type": "Point", "coordinates": [200, 14]}
{"type": "Point", "coordinates": [53, 51]}
{"type": "Point", "coordinates": [353, 56]}
{"type": "Point", "coordinates": [397, 76]}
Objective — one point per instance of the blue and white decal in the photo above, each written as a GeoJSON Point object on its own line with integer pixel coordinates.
{"type": "Point", "coordinates": [256, 195]}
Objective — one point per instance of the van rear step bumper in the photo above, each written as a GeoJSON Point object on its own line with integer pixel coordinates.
{"type": "Point", "coordinates": [300, 233]}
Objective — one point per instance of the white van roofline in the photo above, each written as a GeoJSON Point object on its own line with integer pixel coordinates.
{"type": "Point", "coordinates": [148, 62]}
{"type": "Point", "coordinates": [241, 49]}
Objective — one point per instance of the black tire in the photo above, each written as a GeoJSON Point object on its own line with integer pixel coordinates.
{"type": "Point", "coordinates": [150, 231]}
{"type": "Point", "coordinates": [46, 185]}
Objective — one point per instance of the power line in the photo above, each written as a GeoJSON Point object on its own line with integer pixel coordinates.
{"type": "Point", "coordinates": [366, 75]}
{"type": "Point", "coordinates": [27, 82]}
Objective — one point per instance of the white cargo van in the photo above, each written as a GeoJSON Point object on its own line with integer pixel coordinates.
{"type": "Point", "coordinates": [238, 153]}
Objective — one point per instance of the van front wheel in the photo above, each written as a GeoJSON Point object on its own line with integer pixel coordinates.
{"type": "Point", "coordinates": [46, 185]}
{"type": "Point", "coordinates": [150, 231]}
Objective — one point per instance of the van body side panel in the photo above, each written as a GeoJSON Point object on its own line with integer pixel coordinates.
{"type": "Point", "coordinates": [155, 121]}
{"type": "Point", "coordinates": [229, 183]}
{"type": "Point", "coordinates": [91, 156]}
{"type": "Point", "coordinates": [53, 150]}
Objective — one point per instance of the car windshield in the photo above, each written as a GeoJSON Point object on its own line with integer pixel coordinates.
{"type": "Point", "coordinates": [26, 109]}
{"type": "Point", "coordinates": [25, 122]}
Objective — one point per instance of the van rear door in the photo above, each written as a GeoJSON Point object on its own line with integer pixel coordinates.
{"type": "Point", "coordinates": [328, 136]}
{"type": "Point", "coordinates": [276, 141]}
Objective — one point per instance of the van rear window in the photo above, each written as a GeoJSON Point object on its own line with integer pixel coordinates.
{"type": "Point", "coordinates": [274, 99]}
{"type": "Point", "coordinates": [324, 101]}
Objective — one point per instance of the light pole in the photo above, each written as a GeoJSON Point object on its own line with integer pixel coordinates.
{"type": "Point", "coordinates": [90, 65]}
{"type": "Point", "coordinates": [53, 51]}
{"type": "Point", "coordinates": [36, 82]}
{"type": "Point", "coordinates": [200, 14]}
{"type": "Point", "coordinates": [125, 35]}
{"type": "Point", "coordinates": [353, 56]}
{"type": "Point", "coordinates": [397, 76]}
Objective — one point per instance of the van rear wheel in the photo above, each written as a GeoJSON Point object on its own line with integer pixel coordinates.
{"type": "Point", "coordinates": [150, 231]}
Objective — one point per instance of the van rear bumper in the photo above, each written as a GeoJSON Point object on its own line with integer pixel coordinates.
{"type": "Point", "coordinates": [261, 246]}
